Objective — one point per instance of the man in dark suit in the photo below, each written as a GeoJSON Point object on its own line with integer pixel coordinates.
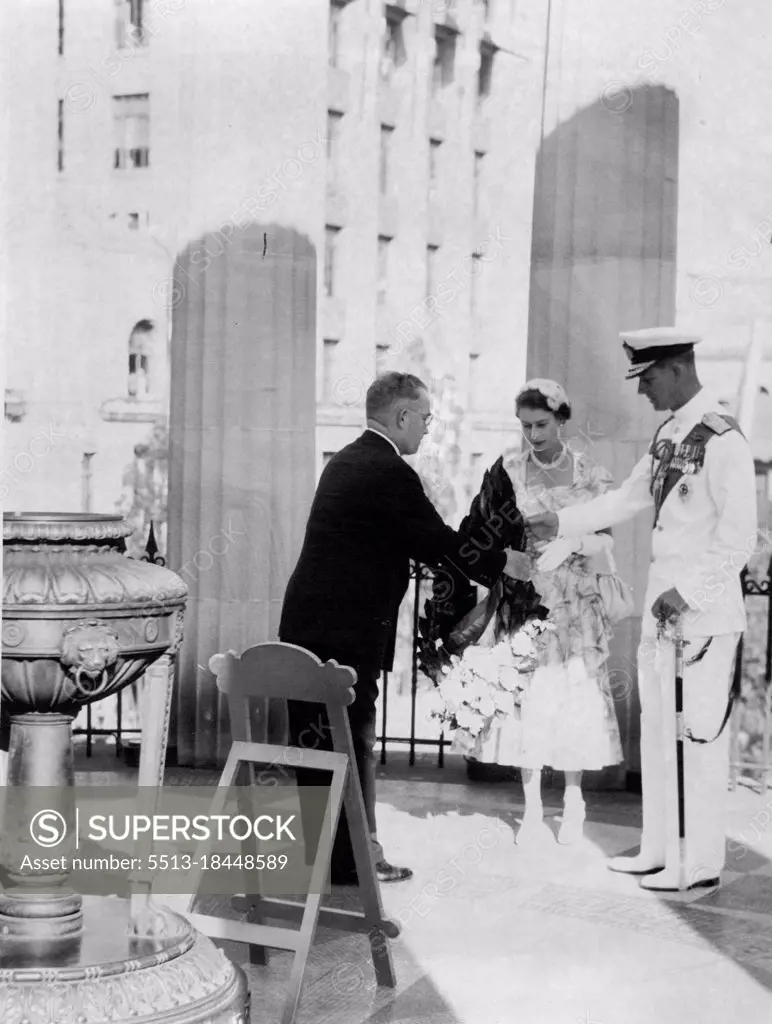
{"type": "Point", "coordinates": [369, 517]}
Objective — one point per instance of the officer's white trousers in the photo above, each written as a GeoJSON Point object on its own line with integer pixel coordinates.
{"type": "Point", "coordinates": [706, 766]}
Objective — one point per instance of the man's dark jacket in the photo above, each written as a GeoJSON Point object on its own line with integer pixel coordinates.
{"type": "Point", "coordinates": [369, 517]}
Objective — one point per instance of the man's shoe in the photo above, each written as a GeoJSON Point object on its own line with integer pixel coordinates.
{"type": "Point", "coordinates": [389, 873]}
{"type": "Point", "coordinates": [669, 881]}
{"type": "Point", "coordinates": [384, 871]}
{"type": "Point", "coordinates": [640, 864]}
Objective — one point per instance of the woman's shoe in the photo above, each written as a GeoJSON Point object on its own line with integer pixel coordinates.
{"type": "Point", "coordinates": [533, 830]}
{"type": "Point", "coordinates": [572, 827]}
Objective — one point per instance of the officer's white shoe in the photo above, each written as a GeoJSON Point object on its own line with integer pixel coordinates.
{"type": "Point", "coordinates": [641, 864]}
{"type": "Point", "coordinates": [671, 880]}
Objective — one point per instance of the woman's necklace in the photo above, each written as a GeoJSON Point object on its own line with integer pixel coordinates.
{"type": "Point", "coordinates": [549, 465]}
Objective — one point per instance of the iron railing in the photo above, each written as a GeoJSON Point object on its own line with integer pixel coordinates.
{"type": "Point", "coordinates": [752, 588]}
{"type": "Point", "coordinates": [421, 573]}
{"type": "Point", "coordinates": [418, 574]}
{"type": "Point", "coordinates": [737, 765]}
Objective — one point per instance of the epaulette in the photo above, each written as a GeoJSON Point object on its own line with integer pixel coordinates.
{"type": "Point", "coordinates": [720, 423]}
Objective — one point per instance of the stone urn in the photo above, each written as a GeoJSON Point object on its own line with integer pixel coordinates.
{"type": "Point", "coordinates": [80, 621]}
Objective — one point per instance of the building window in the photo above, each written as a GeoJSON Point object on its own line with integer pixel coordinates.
{"type": "Point", "coordinates": [129, 23]}
{"type": "Point", "coordinates": [381, 358]}
{"type": "Point", "coordinates": [60, 137]}
{"type": "Point", "coordinates": [477, 180]}
{"type": "Point", "coordinates": [333, 146]}
{"type": "Point", "coordinates": [383, 267]}
{"type": "Point", "coordinates": [485, 72]}
{"type": "Point", "coordinates": [444, 56]}
{"type": "Point", "coordinates": [15, 405]}
{"type": "Point", "coordinates": [326, 456]}
{"type": "Point", "coordinates": [140, 345]}
{"type": "Point", "coordinates": [133, 222]}
{"type": "Point", "coordinates": [431, 268]}
{"type": "Point", "coordinates": [434, 161]}
{"type": "Point", "coordinates": [474, 380]}
{"type": "Point", "coordinates": [330, 258]}
{"type": "Point", "coordinates": [474, 283]}
{"type": "Point", "coordinates": [393, 53]}
{"type": "Point", "coordinates": [131, 116]}
{"type": "Point", "coordinates": [385, 165]}
{"type": "Point", "coordinates": [61, 27]}
{"type": "Point", "coordinates": [328, 369]}
{"type": "Point", "coordinates": [334, 33]}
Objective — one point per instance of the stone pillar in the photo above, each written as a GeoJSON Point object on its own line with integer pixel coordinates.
{"type": "Point", "coordinates": [603, 260]}
{"type": "Point", "coordinates": [241, 455]}
{"type": "Point", "coordinates": [652, 120]}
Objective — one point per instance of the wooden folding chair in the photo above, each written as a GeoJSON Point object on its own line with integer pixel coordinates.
{"type": "Point", "coordinates": [285, 671]}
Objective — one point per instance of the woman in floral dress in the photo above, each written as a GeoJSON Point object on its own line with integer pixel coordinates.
{"type": "Point", "coordinates": [566, 718]}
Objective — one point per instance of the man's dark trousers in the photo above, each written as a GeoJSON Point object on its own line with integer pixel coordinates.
{"type": "Point", "coordinates": [309, 728]}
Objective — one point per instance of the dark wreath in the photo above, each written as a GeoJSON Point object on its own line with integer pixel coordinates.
{"type": "Point", "coordinates": [452, 615]}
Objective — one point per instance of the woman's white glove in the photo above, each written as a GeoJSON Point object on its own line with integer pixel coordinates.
{"type": "Point", "coordinates": [557, 551]}
{"type": "Point", "coordinates": [596, 544]}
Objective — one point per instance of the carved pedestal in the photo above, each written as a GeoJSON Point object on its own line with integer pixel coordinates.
{"type": "Point", "coordinates": [80, 622]}
{"type": "Point", "coordinates": [106, 975]}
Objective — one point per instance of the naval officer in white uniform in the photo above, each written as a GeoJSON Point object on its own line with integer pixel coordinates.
{"type": "Point", "coordinates": [698, 479]}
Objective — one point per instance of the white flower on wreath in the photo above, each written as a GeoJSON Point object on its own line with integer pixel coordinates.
{"type": "Point", "coordinates": [504, 702]}
{"type": "Point", "coordinates": [501, 654]}
{"type": "Point", "coordinates": [477, 659]}
{"type": "Point", "coordinates": [485, 704]}
{"type": "Point", "coordinates": [522, 645]}
{"type": "Point", "coordinates": [510, 679]}
{"type": "Point", "coordinates": [468, 719]}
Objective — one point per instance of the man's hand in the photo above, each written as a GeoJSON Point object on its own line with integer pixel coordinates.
{"type": "Point", "coordinates": [518, 565]}
{"type": "Point", "coordinates": [669, 606]}
{"type": "Point", "coordinates": [543, 527]}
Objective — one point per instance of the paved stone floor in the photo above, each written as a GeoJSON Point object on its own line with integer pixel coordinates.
{"type": "Point", "coordinates": [495, 934]}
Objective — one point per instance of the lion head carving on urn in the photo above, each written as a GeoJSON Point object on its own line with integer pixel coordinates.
{"type": "Point", "coordinates": [81, 620]}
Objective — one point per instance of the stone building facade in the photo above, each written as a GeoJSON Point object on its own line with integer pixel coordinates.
{"type": "Point", "coordinates": [492, 189]}
{"type": "Point", "coordinates": [135, 127]}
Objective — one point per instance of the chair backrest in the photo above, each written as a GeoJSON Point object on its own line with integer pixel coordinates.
{"type": "Point", "coordinates": [283, 671]}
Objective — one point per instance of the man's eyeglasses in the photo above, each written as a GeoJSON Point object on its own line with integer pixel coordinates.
{"type": "Point", "coordinates": [428, 417]}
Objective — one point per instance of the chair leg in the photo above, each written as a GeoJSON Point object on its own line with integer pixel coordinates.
{"type": "Point", "coordinates": [300, 959]}
{"type": "Point", "coordinates": [369, 892]}
{"type": "Point", "coordinates": [226, 781]}
{"type": "Point", "coordinates": [310, 919]}
{"type": "Point", "coordinates": [258, 955]}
